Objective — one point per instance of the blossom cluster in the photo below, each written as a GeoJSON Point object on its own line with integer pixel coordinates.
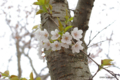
{"type": "Point", "coordinates": [57, 40]}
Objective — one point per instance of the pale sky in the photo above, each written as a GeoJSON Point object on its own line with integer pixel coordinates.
{"type": "Point", "coordinates": [104, 13]}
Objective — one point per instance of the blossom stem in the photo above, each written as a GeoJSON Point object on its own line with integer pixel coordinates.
{"type": "Point", "coordinates": [54, 22]}
{"type": "Point", "coordinates": [73, 41]}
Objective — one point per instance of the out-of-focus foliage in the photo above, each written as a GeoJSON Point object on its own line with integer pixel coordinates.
{"type": "Point", "coordinates": [14, 77]}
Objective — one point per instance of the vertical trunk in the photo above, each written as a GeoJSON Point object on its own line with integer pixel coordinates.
{"type": "Point", "coordinates": [18, 59]}
{"type": "Point", "coordinates": [63, 64]}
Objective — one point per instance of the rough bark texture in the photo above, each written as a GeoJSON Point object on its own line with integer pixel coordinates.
{"type": "Point", "coordinates": [63, 64]}
{"type": "Point", "coordinates": [82, 15]}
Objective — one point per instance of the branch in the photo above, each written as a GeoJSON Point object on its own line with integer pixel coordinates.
{"type": "Point", "coordinates": [90, 35]}
{"type": "Point", "coordinates": [82, 15]}
{"type": "Point", "coordinates": [44, 77]}
{"type": "Point", "coordinates": [97, 43]}
{"type": "Point", "coordinates": [31, 63]}
{"type": "Point", "coordinates": [112, 65]}
{"type": "Point", "coordinates": [100, 32]}
{"type": "Point", "coordinates": [18, 58]}
{"type": "Point", "coordinates": [42, 70]}
{"type": "Point", "coordinates": [100, 66]}
{"type": "Point", "coordinates": [27, 55]}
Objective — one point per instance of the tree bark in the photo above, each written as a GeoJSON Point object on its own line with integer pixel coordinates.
{"type": "Point", "coordinates": [63, 64]}
{"type": "Point", "coordinates": [82, 15]}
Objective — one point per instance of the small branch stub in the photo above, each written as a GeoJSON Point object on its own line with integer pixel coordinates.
{"type": "Point", "coordinates": [59, 1]}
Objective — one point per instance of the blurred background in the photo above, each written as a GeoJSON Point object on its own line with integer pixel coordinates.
{"type": "Point", "coordinates": [19, 48]}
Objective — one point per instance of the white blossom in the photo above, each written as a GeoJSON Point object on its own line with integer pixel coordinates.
{"type": "Point", "coordinates": [55, 34]}
{"type": "Point", "coordinates": [65, 45]}
{"type": "Point", "coordinates": [77, 47]}
{"type": "Point", "coordinates": [40, 46]}
{"type": "Point", "coordinates": [41, 35]}
{"type": "Point", "coordinates": [77, 34]}
{"type": "Point", "coordinates": [44, 35]}
{"type": "Point", "coordinates": [56, 46]}
{"type": "Point", "coordinates": [47, 44]}
{"type": "Point", "coordinates": [38, 34]}
{"type": "Point", "coordinates": [66, 38]}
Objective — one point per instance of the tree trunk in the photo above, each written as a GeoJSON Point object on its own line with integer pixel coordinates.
{"type": "Point", "coordinates": [63, 64]}
{"type": "Point", "coordinates": [18, 59]}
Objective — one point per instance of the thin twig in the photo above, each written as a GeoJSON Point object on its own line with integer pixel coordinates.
{"type": "Point", "coordinates": [42, 70]}
{"type": "Point", "coordinates": [90, 35]}
{"type": "Point", "coordinates": [44, 77]}
{"type": "Point", "coordinates": [54, 21]}
{"type": "Point", "coordinates": [95, 73]}
{"type": "Point", "coordinates": [107, 55]}
{"type": "Point", "coordinates": [110, 58]}
{"type": "Point", "coordinates": [100, 32]}
{"type": "Point", "coordinates": [109, 42]}
{"type": "Point", "coordinates": [100, 66]}
{"type": "Point", "coordinates": [31, 63]}
{"type": "Point", "coordinates": [97, 43]}
{"type": "Point", "coordinates": [29, 45]}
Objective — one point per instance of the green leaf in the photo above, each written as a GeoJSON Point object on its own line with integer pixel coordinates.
{"type": "Point", "coordinates": [6, 72]}
{"type": "Point", "coordinates": [106, 62]}
{"type": "Point", "coordinates": [70, 19]}
{"type": "Point", "coordinates": [23, 79]}
{"type": "Point", "coordinates": [67, 16]}
{"type": "Point", "coordinates": [35, 27]}
{"type": "Point", "coordinates": [60, 25]}
{"type": "Point", "coordinates": [39, 12]}
{"type": "Point", "coordinates": [67, 28]}
{"type": "Point", "coordinates": [38, 78]}
{"type": "Point", "coordinates": [44, 8]}
{"type": "Point", "coordinates": [42, 2]}
{"type": "Point", "coordinates": [14, 78]}
{"type": "Point", "coordinates": [50, 6]}
{"type": "Point", "coordinates": [3, 74]}
{"type": "Point", "coordinates": [47, 1]}
{"type": "Point", "coordinates": [36, 3]}
{"type": "Point", "coordinates": [31, 76]}
{"type": "Point", "coordinates": [61, 33]}
{"type": "Point", "coordinates": [100, 67]}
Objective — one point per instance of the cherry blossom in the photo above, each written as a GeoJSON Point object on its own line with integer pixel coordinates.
{"type": "Point", "coordinates": [47, 44]}
{"type": "Point", "coordinates": [77, 34]}
{"type": "Point", "coordinates": [77, 47]}
{"type": "Point", "coordinates": [41, 35]}
{"type": "Point", "coordinates": [66, 38]}
{"type": "Point", "coordinates": [40, 49]}
{"type": "Point", "coordinates": [56, 46]}
{"type": "Point", "coordinates": [44, 35]}
{"type": "Point", "coordinates": [38, 34]}
{"type": "Point", "coordinates": [65, 45]}
{"type": "Point", "coordinates": [55, 34]}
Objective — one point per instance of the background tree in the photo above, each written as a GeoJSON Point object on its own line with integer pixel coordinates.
{"type": "Point", "coordinates": [21, 36]}
{"type": "Point", "coordinates": [98, 44]}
